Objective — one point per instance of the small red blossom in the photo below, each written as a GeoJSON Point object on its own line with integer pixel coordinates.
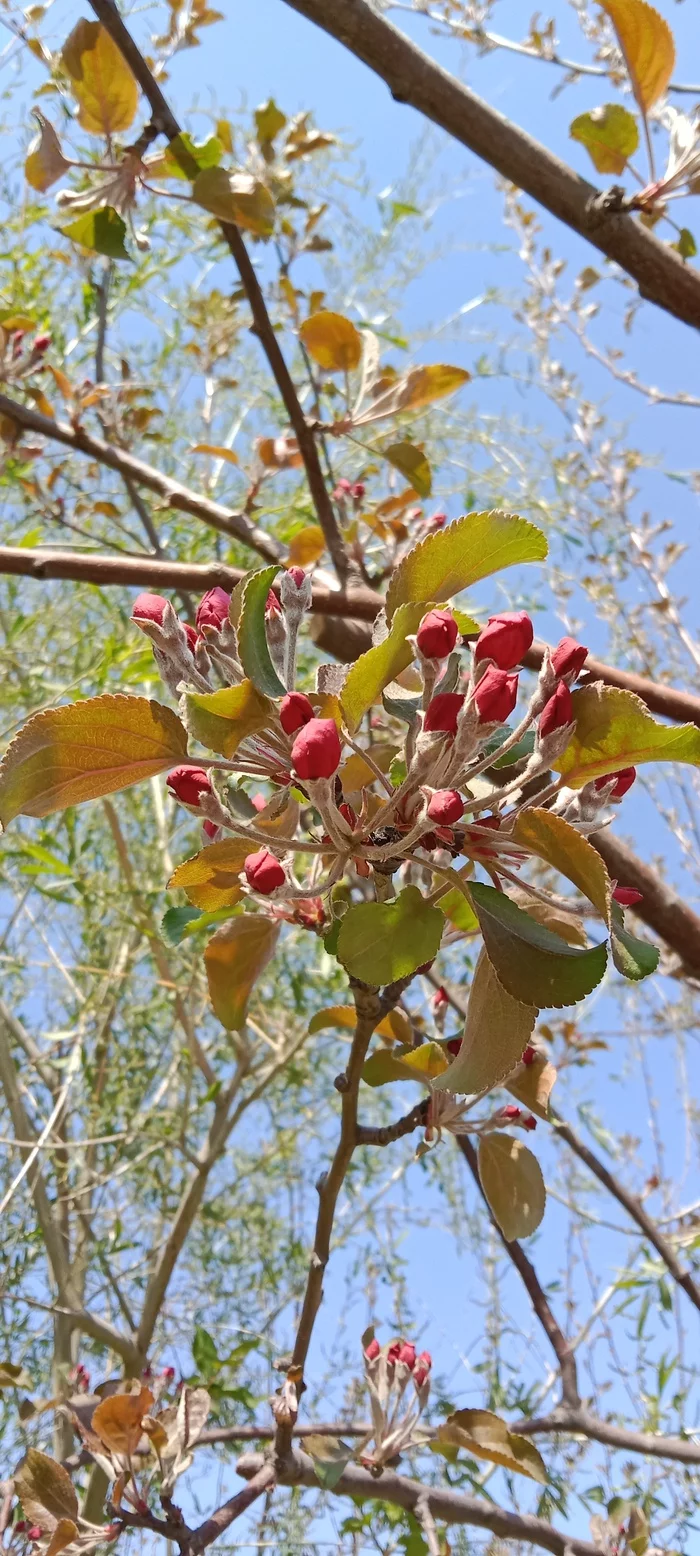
{"type": "Point", "coordinates": [437, 634]}
{"type": "Point", "coordinates": [438, 519]}
{"type": "Point", "coordinates": [443, 711]}
{"type": "Point", "coordinates": [264, 872]}
{"type": "Point", "coordinates": [358, 490]}
{"type": "Point", "coordinates": [35, 1532]}
{"type": "Point", "coordinates": [446, 806]}
{"type": "Point", "coordinates": [168, 1373]}
{"type": "Point", "coordinates": [212, 610]}
{"type": "Point", "coordinates": [557, 713]}
{"type": "Point", "coordinates": [569, 658]}
{"type": "Point", "coordinates": [439, 998]}
{"type": "Point", "coordinates": [627, 896]}
{"type": "Point", "coordinates": [506, 639]}
{"type": "Point", "coordinates": [316, 751]}
{"type": "Point", "coordinates": [510, 1114]}
{"type": "Point", "coordinates": [496, 695]}
{"type": "Point", "coordinates": [624, 779]}
{"type": "Point", "coordinates": [149, 607]}
{"type": "Point", "coordinates": [188, 784]}
{"type": "Point", "coordinates": [295, 711]}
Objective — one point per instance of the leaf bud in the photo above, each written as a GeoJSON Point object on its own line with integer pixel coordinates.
{"type": "Point", "coordinates": [264, 872]}
{"type": "Point", "coordinates": [446, 807]}
{"type": "Point", "coordinates": [188, 784]}
{"type": "Point", "coordinates": [316, 751]}
{"type": "Point", "coordinates": [506, 639]}
{"type": "Point", "coordinates": [295, 711]}
{"type": "Point", "coordinates": [496, 695]}
{"type": "Point", "coordinates": [437, 634]}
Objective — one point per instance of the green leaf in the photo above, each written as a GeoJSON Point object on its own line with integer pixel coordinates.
{"type": "Point", "coordinates": [471, 548]}
{"type": "Point", "coordinates": [534, 965]}
{"type": "Point", "coordinates": [413, 464]}
{"type": "Point", "coordinates": [86, 749]}
{"type": "Point", "coordinates": [330, 1457]}
{"type": "Point", "coordinates": [221, 720]}
{"type": "Point", "coordinates": [496, 1031]}
{"type": "Point", "coordinates": [380, 942]}
{"type": "Point", "coordinates": [380, 665]}
{"type": "Point", "coordinates": [424, 1063]}
{"type": "Point", "coordinates": [102, 232]}
{"type": "Point", "coordinates": [609, 134]}
{"type": "Point", "coordinates": [184, 157]}
{"type": "Point", "coordinates": [236, 197]}
{"type": "Point", "coordinates": [175, 921]}
{"type": "Point", "coordinates": [205, 1354]}
{"type": "Point", "coordinates": [253, 650]}
{"type": "Point", "coordinates": [235, 958]}
{"type": "Point", "coordinates": [686, 245]}
{"type": "Point", "coordinates": [485, 1435]}
{"type": "Point", "coordinates": [614, 729]}
{"type": "Point", "coordinates": [634, 958]}
{"type": "Point", "coordinates": [458, 911]}
{"type": "Point", "coordinates": [511, 1178]}
{"type": "Point", "coordinates": [269, 120]}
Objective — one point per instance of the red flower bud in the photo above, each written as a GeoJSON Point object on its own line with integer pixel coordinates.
{"type": "Point", "coordinates": [506, 639]}
{"type": "Point", "coordinates": [442, 712]}
{"type": "Point", "coordinates": [569, 658]}
{"type": "Point", "coordinates": [627, 896]}
{"type": "Point", "coordinates": [437, 634]}
{"type": "Point", "coordinates": [17, 344]}
{"type": "Point", "coordinates": [35, 1532]}
{"type": "Point", "coordinates": [529, 1122]}
{"type": "Point", "coordinates": [316, 751]}
{"type": "Point", "coordinates": [212, 610]}
{"type": "Point", "coordinates": [295, 711]}
{"type": "Point", "coordinates": [341, 489]}
{"type": "Point", "coordinates": [558, 712]}
{"type": "Point", "coordinates": [623, 781]}
{"type": "Point", "coordinates": [438, 519]}
{"type": "Point", "coordinates": [264, 872]}
{"type": "Point", "coordinates": [358, 491]}
{"type": "Point", "coordinates": [446, 806]}
{"type": "Point", "coordinates": [149, 607]}
{"type": "Point", "coordinates": [169, 1373]}
{"type": "Point", "coordinates": [20, 1526]}
{"type": "Point", "coordinates": [439, 998]}
{"type": "Point", "coordinates": [41, 343]}
{"type": "Point", "coordinates": [454, 1045]}
{"type": "Point", "coordinates": [258, 801]}
{"type": "Point", "coordinates": [510, 1113]}
{"type": "Point", "coordinates": [191, 636]}
{"type": "Point", "coordinates": [372, 1350]}
{"type": "Point", "coordinates": [407, 1354]}
{"type": "Point", "coordinates": [425, 1362]}
{"type": "Point", "coordinates": [297, 575]}
{"type": "Point", "coordinates": [529, 1055]}
{"type": "Point", "coordinates": [272, 604]}
{"type": "Point", "coordinates": [348, 814]}
{"type": "Point", "coordinates": [394, 1352]}
{"type": "Point", "coordinates": [188, 784]}
{"type": "Point", "coordinates": [496, 695]}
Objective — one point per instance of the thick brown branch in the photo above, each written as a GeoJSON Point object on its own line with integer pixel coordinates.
{"type": "Point", "coordinates": [414, 78]}
{"type": "Point", "coordinates": [450, 1507]}
{"type": "Point", "coordinates": [581, 1423]}
{"type": "Point", "coordinates": [558, 1341]}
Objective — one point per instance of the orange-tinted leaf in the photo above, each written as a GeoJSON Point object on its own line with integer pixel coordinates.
{"type": "Point", "coordinates": [45, 1490]}
{"type": "Point", "coordinates": [118, 1420]}
{"type": "Point", "coordinates": [647, 44]}
{"type": "Point", "coordinates": [106, 92]}
{"type": "Point", "coordinates": [235, 957]}
{"type": "Point", "coordinates": [332, 341]}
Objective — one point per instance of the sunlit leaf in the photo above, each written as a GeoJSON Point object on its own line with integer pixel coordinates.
{"type": "Point", "coordinates": [103, 232]}
{"type": "Point", "coordinates": [609, 134]}
{"type": "Point", "coordinates": [647, 45]}
{"type": "Point", "coordinates": [413, 464]}
{"type": "Point", "coordinates": [534, 965]}
{"type": "Point", "coordinates": [45, 1490]}
{"type": "Point", "coordinates": [634, 958]}
{"type": "Point", "coordinates": [45, 162]}
{"type": "Point", "coordinates": [511, 1178]}
{"type": "Point", "coordinates": [532, 1084]}
{"type": "Point", "coordinates": [380, 942]}
{"type": "Point", "coordinates": [103, 86]}
{"type": "Point", "coordinates": [253, 650]}
{"type": "Point", "coordinates": [380, 665]}
{"type": "Point", "coordinates": [332, 341]}
{"type": "Point", "coordinates": [424, 1063]}
{"type": "Point", "coordinates": [563, 847]}
{"type": "Point", "coordinates": [12, 1376]}
{"type": "Point", "coordinates": [210, 879]}
{"type": "Point", "coordinates": [235, 958]}
{"type": "Point", "coordinates": [237, 198]}
{"type": "Point", "coordinates": [496, 1031]}
{"type": "Point", "coordinates": [614, 729]}
{"type": "Point", "coordinates": [216, 452]}
{"type": "Point", "coordinates": [222, 719]}
{"type": "Point", "coordinates": [269, 120]}
{"type": "Point", "coordinates": [80, 752]}
{"type": "Point", "coordinates": [117, 1420]}
{"type": "Point", "coordinates": [307, 546]}
{"type": "Point", "coordinates": [184, 157]}
{"type": "Point", "coordinates": [459, 912]}
{"type": "Point", "coordinates": [64, 1534]}
{"type": "Point", "coordinates": [410, 393]}
{"type": "Point", "coordinates": [330, 1457]}
{"type": "Point", "coordinates": [471, 548]}
{"type": "Point", "coordinates": [486, 1436]}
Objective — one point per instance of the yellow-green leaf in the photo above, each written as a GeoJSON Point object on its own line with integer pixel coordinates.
{"type": "Point", "coordinates": [458, 911]}
{"type": "Point", "coordinates": [609, 134]}
{"type": "Point", "coordinates": [424, 1063]}
{"type": "Point", "coordinates": [345, 1016]}
{"type": "Point", "coordinates": [511, 1178]}
{"type": "Point", "coordinates": [105, 90]}
{"type": "Point", "coordinates": [471, 548]}
{"type": "Point", "coordinates": [235, 958]}
{"type": "Point", "coordinates": [45, 162]}
{"type": "Point", "coordinates": [419, 387]}
{"type": "Point", "coordinates": [413, 464]}
{"type": "Point", "coordinates": [221, 720]}
{"type": "Point", "coordinates": [374, 670]}
{"type": "Point", "coordinates": [647, 45]}
{"type": "Point", "coordinates": [211, 878]}
{"type": "Point", "coordinates": [332, 341]}
{"type": "Point", "coordinates": [307, 546]}
{"type": "Point", "coordinates": [485, 1435]}
{"type": "Point", "coordinates": [496, 1032]}
{"type": "Point", "coordinates": [237, 198]}
{"type": "Point", "coordinates": [380, 942]}
{"type": "Point", "coordinates": [77, 753]}
{"type": "Point", "coordinates": [614, 729]}
{"type": "Point", "coordinates": [556, 841]}
{"type": "Point", "coordinates": [102, 232]}
{"type": "Point", "coordinates": [45, 1490]}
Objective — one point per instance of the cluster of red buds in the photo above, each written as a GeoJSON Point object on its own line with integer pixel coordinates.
{"type": "Point", "coordinates": [81, 1378]}
{"type": "Point", "coordinates": [398, 1383]}
{"type": "Point", "coordinates": [349, 491]}
{"type": "Point", "coordinates": [20, 356]}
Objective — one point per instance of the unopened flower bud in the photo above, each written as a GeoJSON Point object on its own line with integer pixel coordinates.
{"type": "Point", "coordinates": [190, 634]}
{"type": "Point", "coordinates": [510, 1114]}
{"type": "Point", "coordinates": [446, 807]}
{"type": "Point", "coordinates": [506, 639]}
{"type": "Point", "coordinates": [295, 711]}
{"type": "Point", "coordinates": [627, 896]}
{"type": "Point", "coordinates": [439, 999]}
{"type": "Point", "coordinates": [149, 607]}
{"type": "Point", "coordinates": [621, 780]}
{"type": "Point", "coordinates": [341, 489]}
{"type": "Point", "coordinates": [394, 1352]}
{"type": "Point", "coordinates": [188, 784]}
{"type": "Point", "coordinates": [569, 658]}
{"type": "Point", "coordinates": [442, 712]}
{"type": "Point", "coordinates": [437, 634]}
{"type": "Point", "coordinates": [348, 814]}
{"type": "Point", "coordinates": [212, 610]}
{"type": "Point", "coordinates": [496, 695]}
{"type": "Point", "coordinates": [372, 1350]}
{"type": "Point", "coordinates": [358, 490]}
{"type": "Point", "coordinates": [17, 344]}
{"type": "Point", "coordinates": [20, 1525]}
{"type": "Point", "coordinates": [529, 1055]}
{"type": "Point", "coordinates": [41, 343]}
{"type": "Point", "coordinates": [272, 604]}
{"type": "Point", "coordinates": [264, 872]}
{"type": "Point", "coordinates": [438, 519]}
{"type": "Point", "coordinates": [454, 1045]}
{"type": "Point", "coordinates": [557, 713]}
{"type": "Point", "coordinates": [529, 1122]}
{"type": "Point", "coordinates": [258, 802]}
{"type": "Point", "coordinates": [423, 1366]}
{"type": "Point", "coordinates": [35, 1532]}
{"type": "Point", "coordinates": [316, 751]}
{"type": "Point", "coordinates": [297, 575]}
{"type": "Point", "coordinates": [407, 1354]}
{"type": "Point", "coordinates": [168, 1373]}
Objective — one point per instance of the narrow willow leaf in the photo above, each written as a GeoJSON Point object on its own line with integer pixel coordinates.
{"type": "Point", "coordinates": [380, 942]}
{"type": "Point", "coordinates": [534, 965]}
{"type": "Point", "coordinates": [77, 753]}
{"type": "Point", "coordinates": [103, 86]}
{"type": "Point", "coordinates": [221, 720]}
{"type": "Point", "coordinates": [614, 729]}
{"type": "Point", "coordinates": [647, 44]}
{"type": "Point", "coordinates": [496, 1032]}
{"type": "Point", "coordinates": [413, 464]}
{"type": "Point", "coordinates": [332, 341]}
{"type": "Point", "coordinates": [485, 1435]}
{"type": "Point", "coordinates": [453, 558]}
{"type": "Point", "coordinates": [103, 232]}
{"type": "Point", "coordinates": [380, 665]}
{"type": "Point", "coordinates": [609, 134]}
{"type": "Point", "coordinates": [253, 650]}
{"type": "Point", "coordinates": [424, 1063]}
{"type": "Point", "coordinates": [511, 1178]}
{"type": "Point", "coordinates": [45, 1490]}
{"type": "Point", "coordinates": [235, 958]}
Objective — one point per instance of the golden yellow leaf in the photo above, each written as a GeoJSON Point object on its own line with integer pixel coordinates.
{"type": "Point", "coordinates": [511, 1178]}
{"type": "Point", "coordinates": [216, 452]}
{"type": "Point", "coordinates": [332, 341]}
{"type": "Point", "coordinates": [647, 45]}
{"type": "Point", "coordinates": [105, 90]}
{"type": "Point", "coordinates": [45, 160]}
{"type": "Point", "coordinates": [222, 719]}
{"type": "Point", "coordinates": [484, 1434]}
{"type": "Point", "coordinates": [210, 878]}
{"type": "Point", "coordinates": [63, 1535]}
{"type": "Point", "coordinates": [235, 957]}
{"type": "Point", "coordinates": [307, 546]}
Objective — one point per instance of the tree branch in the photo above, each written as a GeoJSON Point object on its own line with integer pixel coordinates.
{"type": "Point", "coordinates": [263, 1480]}
{"type": "Point", "coordinates": [414, 78]}
{"type": "Point", "coordinates": [581, 1422]}
{"type": "Point", "coordinates": [661, 908]}
{"type": "Point", "coordinates": [375, 1134]}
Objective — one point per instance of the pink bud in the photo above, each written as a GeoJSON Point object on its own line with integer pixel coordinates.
{"type": "Point", "coordinates": [210, 828]}
{"type": "Point", "coordinates": [425, 1362]}
{"type": "Point", "coordinates": [438, 519]}
{"type": "Point", "coordinates": [295, 711]}
{"type": "Point", "coordinates": [372, 1350]}
{"type": "Point", "coordinates": [437, 634]}
{"type": "Point", "coordinates": [623, 781]}
{"type": "Point", "coordinates": [443, 711]}
{"type": "Point", "coordinates": [529, 1054]}
{"type": "Point", "coordinates": [510, 1113]}
{"type": "Point", "coordinates": [41, 343]}
{"type": "Point", "coordinates": [496, 695]}
{"type": "Point", "coordinates": [348, 814]}
{"type": "Point", "coordinates": [258, 802]}
{"type": "Point", "coordinates": [446, 806]}
{"type": "Point", "coordinates": [212, 610]}
{"type": "Point", "coordinates": [506, 639]}
{"type": "Point", "coordinates": [17, 340]}
{"type": "Point", "coordinates": [191, 636]}
{"type": "Point", "coordinates": [316, 751]}
{"type": "Point", "coordinates": [529, 1122]}
{"type": "Point", "coordinates": [557, 713]}
{"type": "Point", "coordinates": [358, 491]}
{"type": "Point", "coordinates": [569, 658]}
{"type": "Point", "coordinates": [297, 575]}
{"type": "Point", "coordinates": [264, 872]}
{"type": "Point", "coordinates": [407, 1354]}
{"type": "Point", "coordinates": [149, 607]}
{"type": "Point", "coordinates": [20, 1526]}
{"type": "Point", "coordinates": [169, 1373]}
{"type": "Point", "coordinates": [35, 1532]}
{"type": "Point", "coordinates": [394, 1352]}
{"type": "Point", "coordinates": [272, 604]}
{"type": "Point", "coordinates": [341, 489]}
{"type": "Point", "coordinates": [439, 999]}
{"type": "Point", "coordinates": [627, 896]}
{"type": "Point", "coordinates": [454, 1045]}
{"type": "Point", "coordinates": [188, 784]}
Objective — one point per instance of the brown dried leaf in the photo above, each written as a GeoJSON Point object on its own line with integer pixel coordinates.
{"type": "Point", "coordinates": [45, 1490]}
{"type": "Point", "coordinates": [118, 1420]}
